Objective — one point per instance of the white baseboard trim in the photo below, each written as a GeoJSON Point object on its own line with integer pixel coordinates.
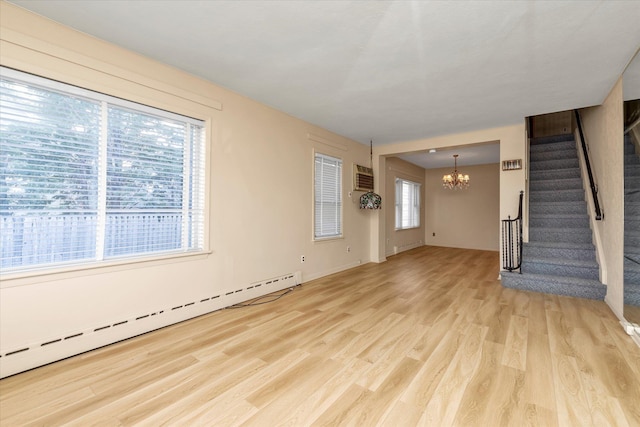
{"type": "Point", "coordinates": [318, 275]}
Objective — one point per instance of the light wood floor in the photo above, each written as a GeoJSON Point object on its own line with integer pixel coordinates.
{"type": "Point", "coordinates": [427, 338]}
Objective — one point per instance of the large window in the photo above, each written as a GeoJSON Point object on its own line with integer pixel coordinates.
{"type": "Point", "coordinates": [328, 197]}
{"type": "Point", "coordinates": [85, 177]}
{"type": "Point", "coordinates": [407, 204]}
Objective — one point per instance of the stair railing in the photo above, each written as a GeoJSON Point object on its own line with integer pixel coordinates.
{"type": "Point", "coordinates": [512, 240]}
{"type": "Point", "coordinates": [594, 188]}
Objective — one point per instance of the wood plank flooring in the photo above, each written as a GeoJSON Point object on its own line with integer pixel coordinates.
{"type": "Point", "coordinates": [427, 338]}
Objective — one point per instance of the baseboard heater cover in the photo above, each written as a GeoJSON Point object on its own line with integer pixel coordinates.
{"type": "Point", "coordinates": [32, 355]}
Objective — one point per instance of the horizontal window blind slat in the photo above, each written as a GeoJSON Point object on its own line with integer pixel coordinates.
{"type": "Point", "coordinates": [49, 212]}
{"type": "Point", "coordinates": [407, 204]}
{"type": "Point", "coordinates": [327, 196]}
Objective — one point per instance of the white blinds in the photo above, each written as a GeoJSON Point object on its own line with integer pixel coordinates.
{"type": "Point", "coordinates": [407, 204]}
{"type": "Point", "coordinates": [86, 177]}
{"type": "Point", "coordinates": [328, 197]}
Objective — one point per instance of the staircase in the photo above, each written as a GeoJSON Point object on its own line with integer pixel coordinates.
{"type": "Point", "coordinates": [560, 256]}
{"type": "Point", "coordinates": [631, 223]}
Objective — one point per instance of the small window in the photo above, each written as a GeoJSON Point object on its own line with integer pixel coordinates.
{"type": "Point", "coordinates": [86, 177]}
{"type": "Point", "coordinates": [328, 197]}
{"type": "Point", "coordinates": [407, 204]}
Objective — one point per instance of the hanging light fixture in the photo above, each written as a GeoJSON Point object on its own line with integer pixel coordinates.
{"type": "Point", "coordinates": [370, 200]}
{"type": "Point", "coordinates": [455, 180]}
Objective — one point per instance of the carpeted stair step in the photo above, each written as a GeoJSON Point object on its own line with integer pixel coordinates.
{"type": "Point", "coordinates": [632, 238]}
{"type": "Point", "coordinates": [631, 182]}
{"type": "Point", "coordinates": [629, 146]}
{"type": "Point", "coordinates": [560, 250]}
{"type": "Point", "coordinates": [555, 195]}
{"type": "Point", "coordinates": [569, 286]}
{"type": "Point", "coordinates": [550, 140]}
{"type": "Point", "coordinates": [538, 156]}
{"type": "Point", "coordinates": [560, 220]}
{"type": "Point", "coordinates": [537, 151]}
{"type": "Point", "coordinates": [631, 159]}
{"type": "Point", "coordinates": [632, 251]}
{"type": "Point", "coordinates": [631, 272]}
{"type": "Point", "coordinates": [558, 208]}
{"type": "Point", "coordinates": [553, 174]}
{"type": "Point", "coordinates": [551, 221]}
{"type": "Point", "coordinates": [631, 196]}
{"type": "Point", "coordinates": [562, 267]}
{"type": "Point", "coordinates": [631, 170]}
{"type": "Point", "coordinates": [631, 208]}
{"type": "Point", "coordinates": [569, 235]}
{"type": "Point", "coordinates": [554, 164]}
{"type": "Point", "coordinates": [632, 294]}
{"type": "Point", "coordinates": [556, 184]}
{"type": "Point", "coordinates": [630, 223]}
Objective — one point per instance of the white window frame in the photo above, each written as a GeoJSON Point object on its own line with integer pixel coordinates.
{"type": "Point", "coordinates": [197, 232]}
{"type": "Point", "coordinates": [408, 206]}
{"type": "Point", "coordinates": [324, 231]}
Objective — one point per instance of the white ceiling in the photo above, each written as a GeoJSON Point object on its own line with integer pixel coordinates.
{"type": "Point", "coordinates": [477, 154]}
{"type": "Point", "coordinates": [631, 79]}
{"type": "Point", "coordinates": [390, 71]}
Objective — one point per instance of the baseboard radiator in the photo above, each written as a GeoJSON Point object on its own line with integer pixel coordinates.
{"type": "Point", "coordinates": [55, 348]}
{"type": "Point", "coordinates": [405, 247]}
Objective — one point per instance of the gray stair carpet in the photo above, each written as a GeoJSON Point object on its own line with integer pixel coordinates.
{"type": "Point", "coordinates": [631, 223]}
{"type": "Point", "coordinates": [560, 257]}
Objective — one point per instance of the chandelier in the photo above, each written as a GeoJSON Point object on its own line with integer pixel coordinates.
{"type": "Point", "coordinates": [455, 180]}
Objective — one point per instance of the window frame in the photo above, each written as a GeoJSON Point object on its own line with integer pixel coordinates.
{"type": "Point", "coordinates": [339, 192]}
{"type": "Point", "coordinates": [399, 211]}
{"type": "Point", "coordinates": [154, 257]}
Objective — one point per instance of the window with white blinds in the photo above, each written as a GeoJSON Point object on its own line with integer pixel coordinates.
{"type": "Point", "coordinates": [407, 204]}
{"type": "Point", "coordinates": [328, 197]}
{"type": "Point", "coordinates": [85, 177]}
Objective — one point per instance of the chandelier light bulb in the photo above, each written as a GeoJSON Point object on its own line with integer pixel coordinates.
{"type": "Point", "coordinates": [455, 180]}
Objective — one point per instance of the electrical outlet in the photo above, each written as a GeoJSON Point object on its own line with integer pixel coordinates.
{"type": "Point", "coordinates": [434, 234]}
{"type": "Point", "coordinates": [348, 248]}
{"type": "Point", "coordinates": [302, 258]}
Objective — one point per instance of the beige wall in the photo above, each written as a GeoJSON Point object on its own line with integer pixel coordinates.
{"type": "Point", "coordinates": [401, 240]}
{"type": "Point", "coordinates": [603, 128]}
{"type": "Point", "coordinates": [259, 223]}
{"type": "Point", "coordinates": [260, 195]}
{"type": "Point", "coordinates": [464, 218]}
{"type": "Point", "coordinates": [553, 124]}
{"type": "Point", "coordinates": [512, 146]}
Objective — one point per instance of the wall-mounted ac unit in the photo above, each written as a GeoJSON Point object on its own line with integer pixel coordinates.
{"type": "Point", "coordinates": [362, 178]}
